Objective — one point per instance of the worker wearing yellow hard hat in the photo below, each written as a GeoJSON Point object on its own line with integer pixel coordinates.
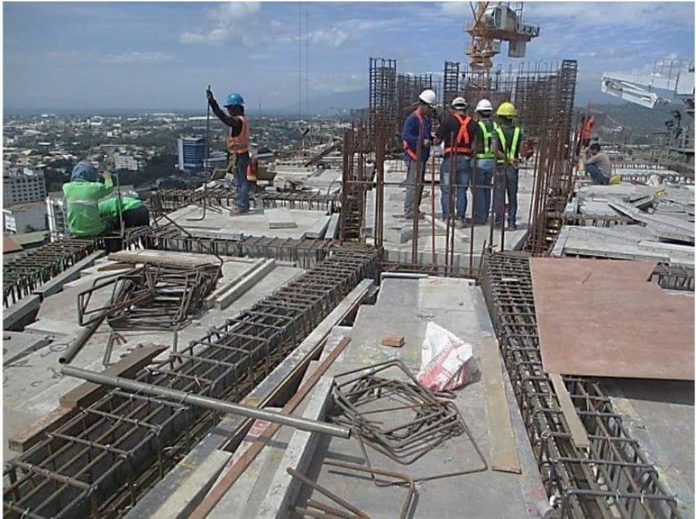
{"type": "Point", "coordinates": [506, 148]}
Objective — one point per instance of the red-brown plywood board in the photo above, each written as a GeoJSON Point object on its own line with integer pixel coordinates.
{"type": "Point", "coordinates": [603, 318]}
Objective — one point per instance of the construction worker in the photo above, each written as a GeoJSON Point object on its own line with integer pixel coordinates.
{"type": "Point", "coordinates": [133, 212]}
{"type": "Point", "coordinates": [484, 160]}
{"type": "Point", "coordinates": [506, 149]}
{"type": "Point", "coordinates": [598, 165]}
{"type": "Point", "coordinates": [457, 131]}
{"type": "Point", "coordinates": [415, 135]}
{"type": "Point", "coordinates": [237, 144]}
{"type": "Point", "coordinates": [82, 195]}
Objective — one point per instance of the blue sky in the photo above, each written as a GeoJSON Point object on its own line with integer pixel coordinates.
{"type": "Point", "coordinates": [163, 55]}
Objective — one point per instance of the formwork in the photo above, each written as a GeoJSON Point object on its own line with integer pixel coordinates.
{"type": "Point", "coordinates": [614, 476]}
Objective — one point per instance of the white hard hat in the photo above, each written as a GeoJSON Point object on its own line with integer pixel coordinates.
{"type": "Point", "coordinates": [459, 103]}
{"type": "Point", "coordinates": [428, 97]}
{"type": "Point", "coordinates": [484, 105]}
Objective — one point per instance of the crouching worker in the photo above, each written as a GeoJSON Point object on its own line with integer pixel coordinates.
{"type": "Point", "coordinates": [133, 212]}
{"type": "Point", "coordinates": [598, 165]}
{"type": "Point", "coordinates": [82, 195]}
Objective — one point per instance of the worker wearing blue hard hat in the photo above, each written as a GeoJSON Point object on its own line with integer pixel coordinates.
{"type": "Point", "coordinates": [237, 144]}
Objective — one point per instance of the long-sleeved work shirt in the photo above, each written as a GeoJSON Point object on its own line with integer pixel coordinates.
{"type": "Point", "coordinates": [416, 126]}
{"type": "Point", "coordinates": [82, 198]}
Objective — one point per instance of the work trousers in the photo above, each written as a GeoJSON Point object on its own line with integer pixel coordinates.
{"type": "Point", "coordinates": [483, 189]}
{"type": "Point", "coordinates": [506, 181]}
{"type": "Point", "coordinates": [596, 174]}
{"type": "Point", "coordinates": [414, 192]}
{"type": "Point", "coordinates": [136, 217]}
{"type": "Point", "coordinates": [240, 178]}
{"type": "Point", "coordinates": [462, 167]}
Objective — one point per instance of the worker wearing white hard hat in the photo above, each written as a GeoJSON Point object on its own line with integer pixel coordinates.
{"type": "Point", "coordinates": [416, 141]}
{"type": "Point", "coordinates": [485, 160]}
{"type": "Point", "coordinates": [457, 131]}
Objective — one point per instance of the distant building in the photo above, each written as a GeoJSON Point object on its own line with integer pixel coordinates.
{"type": "Point", "coordinates": [217, 159]}
{"type": "Point", "coordinates": [27, 186]}
{"type": "Point", "coordinates": [127, 162]}
{"type": "Point", "coordinates": [23, 218]}
{"type": "Point", "coordinates": [191, 153]}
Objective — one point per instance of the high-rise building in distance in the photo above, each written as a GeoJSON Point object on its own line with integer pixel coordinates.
{"type": "Point", "coordinates": [191, 153]}
{"type": "Point", "coordinates": [22, 187]}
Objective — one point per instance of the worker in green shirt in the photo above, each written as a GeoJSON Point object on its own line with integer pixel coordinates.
{"type": "Point", "coordinates": [82, 195]}
{"type": "Point", "coordinates": [134, 212]}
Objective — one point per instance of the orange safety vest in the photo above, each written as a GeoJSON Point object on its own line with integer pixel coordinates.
{"type": "Point", "coordinates": [408, 150]}
{"type": "Point", "coordinates": [462, 144]}
{"type": "Point", "coordinates": [240, 143]}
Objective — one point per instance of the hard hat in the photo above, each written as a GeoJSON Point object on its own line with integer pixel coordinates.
{"type": "Point", "coordinates": [484, 105]}
{"type": "Point", "coordinates": [616, 179]}
{"type": "Point", "coordinates": [506, 109]}
{"type": "Point", "coordinates": [459, 103]}
{"type": "Point", "coordinates": [428, 97]}
{"type": "Point", "coordinates": [234, 99]}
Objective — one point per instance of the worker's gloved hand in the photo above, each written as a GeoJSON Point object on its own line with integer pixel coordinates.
{"type": "Point", "coordinates": [209, 94]}
{"type": "Point", "coordinates": [426, 142]}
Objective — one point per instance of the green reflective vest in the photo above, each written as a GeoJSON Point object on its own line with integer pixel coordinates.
{"type": "Point", "coordinates": [511, 151]}
{"type": "Point", "coordinates": [487, 152]}
{"type": "Point", "coordinates": [83, 209]}
{"type": "Point", "coordinates": [109, 208]}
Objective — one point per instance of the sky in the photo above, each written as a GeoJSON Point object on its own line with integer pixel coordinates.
{"type": "Point", "coordinates": [162, 56]}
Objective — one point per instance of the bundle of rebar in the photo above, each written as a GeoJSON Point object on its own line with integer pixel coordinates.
{"type": "Point", "coordinates": [149, 297]}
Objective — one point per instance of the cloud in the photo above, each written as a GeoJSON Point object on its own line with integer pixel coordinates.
{"type": "Point", "coordinates": [140, 57]}
{"type": "Point", "coordinates": [234, 22]}
{"type": "Point", "coordinates": [456, 8]}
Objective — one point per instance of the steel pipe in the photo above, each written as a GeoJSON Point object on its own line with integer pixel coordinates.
{"type": "Point", "coordinates": [207, 402]}
{"type": "Point", "coordinates": [78, 343]}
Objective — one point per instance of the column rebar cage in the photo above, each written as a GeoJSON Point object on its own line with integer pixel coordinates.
{"type": "Point", "coordinates": [382, 109]}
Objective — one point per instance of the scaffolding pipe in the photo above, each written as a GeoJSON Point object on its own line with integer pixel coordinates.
{"type": "Point", "coordinates": [207, 402]}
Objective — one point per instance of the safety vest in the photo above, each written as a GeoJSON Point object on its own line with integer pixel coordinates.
{"type": "Point", "coordinates": [462, 144]}
{"type": "Point", "coordinates": [487, 152]}
{"type": "Point", "coordinates": [511, 153]}
{"type": "Point", "coordinates": [240, 143]}
{"type": "Point", "coordinates": [408, 150]}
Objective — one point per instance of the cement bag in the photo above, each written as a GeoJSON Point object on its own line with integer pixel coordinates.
{"type": "Point", "coordinates": [447, 362]}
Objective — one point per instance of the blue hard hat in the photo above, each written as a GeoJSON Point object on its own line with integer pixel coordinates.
{"type": "Point", "coordinates": [234, 99]}
{"type": "Point", "coordinates": [84, 170]}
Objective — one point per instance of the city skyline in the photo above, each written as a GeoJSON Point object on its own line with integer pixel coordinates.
{"type": "Point", "coordinates": [161, 56]}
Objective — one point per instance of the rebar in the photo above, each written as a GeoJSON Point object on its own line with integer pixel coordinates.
{"type": "Point", "coordinates": [613, 478]}
{"type": "Point", "coordinates": [75, 470]}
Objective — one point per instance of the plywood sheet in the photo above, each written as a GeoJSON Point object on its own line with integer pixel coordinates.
{"type": "Point", "coordinates": [603, 318]}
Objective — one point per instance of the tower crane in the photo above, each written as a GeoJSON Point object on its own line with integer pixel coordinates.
{"type": "Point", "coordinates": [494, 23]}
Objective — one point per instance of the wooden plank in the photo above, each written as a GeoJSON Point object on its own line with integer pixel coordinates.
{"type": "Point", "coordinates": [23, 441]}
{"type": "Point", "coordinates": [164, 258]}
{"type": "Point", "coordinates": [501, 436]}
{"type": "Point", "coordinates": [232, 472]}
{"type": "Point", "coordinates": [600, 318]}
{"type": "Point", "coordinates": [89, 392]}
{"type": "Point", "coordinates": [578, 432]}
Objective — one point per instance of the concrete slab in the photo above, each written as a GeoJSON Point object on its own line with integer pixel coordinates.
{"type": "Point", "coordinates": [279, 218]}
{"type": "Point", "coordinates": [253, 223]}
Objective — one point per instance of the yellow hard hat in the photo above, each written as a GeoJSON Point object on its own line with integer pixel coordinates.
{"type": "Point", "coordinates": [616, 179]}
{"type": "Point", "coordinates": [506, 109]}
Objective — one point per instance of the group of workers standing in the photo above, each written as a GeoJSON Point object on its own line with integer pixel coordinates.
{"type": "Point", "coordinates": [476, 148]}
